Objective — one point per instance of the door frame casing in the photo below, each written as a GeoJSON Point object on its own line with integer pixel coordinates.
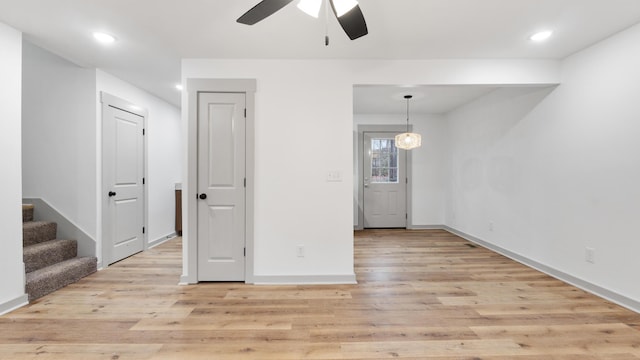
{"type": "Point", "coordinates": [359, 165]}
{"type": "Point", "coordinates": [195, 86]}
{"type": "Point", "coordinates": [108, 100]}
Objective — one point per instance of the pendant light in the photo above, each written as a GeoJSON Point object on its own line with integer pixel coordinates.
{"type": "Point", "coordinates": [408, 140]}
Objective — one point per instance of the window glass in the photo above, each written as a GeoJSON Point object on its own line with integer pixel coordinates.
{"type": "Point", "coordinates": [384, 161]}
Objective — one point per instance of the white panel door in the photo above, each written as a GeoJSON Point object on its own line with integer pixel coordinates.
{"type": "Point", "coordinates": [385, 182]}
{"type": "Point", "coordinates": [221, 187]}
{"type": "Point", "coordinates": [123, 172]}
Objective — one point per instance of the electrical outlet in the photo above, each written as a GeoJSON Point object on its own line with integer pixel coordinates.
{"type": "Point", "coordinates": [300, 250]}
{"type": "Point", "coordinates": [589, 255]}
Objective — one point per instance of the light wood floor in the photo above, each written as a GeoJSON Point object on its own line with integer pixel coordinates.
{"type": "Point", "coordinates": [421, 295]}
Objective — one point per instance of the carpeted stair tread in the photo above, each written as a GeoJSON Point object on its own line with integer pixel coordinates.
{"type": "Point", "coordinates": [51, 278]}
{"type": "Point", "coordinates": [34, 232]}
{"type": "Point", "coordinates": [47, 253]}
{"type": "Point", "coordinates": [27, 212]}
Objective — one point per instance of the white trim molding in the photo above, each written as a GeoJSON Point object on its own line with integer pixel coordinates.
{"type": "Point", "coordinates": [426, 227]}
{"type": "Point", "coordinates": [347, 279]}
{"type": "Point", "coordinates": [162, 240]}
{"type": "Point", "coordinates": [9, 306]}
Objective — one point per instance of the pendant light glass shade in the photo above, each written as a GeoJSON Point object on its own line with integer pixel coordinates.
{"type": "Point", "coordinates": [408, 140]}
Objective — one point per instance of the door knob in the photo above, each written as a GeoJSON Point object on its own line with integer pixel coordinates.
{"type": "Point", "coordinates": [112, 193]}
{"type": "Point", "coordinates": [203, 196]}
{"type": "Point", "coordinates": [366, 185]}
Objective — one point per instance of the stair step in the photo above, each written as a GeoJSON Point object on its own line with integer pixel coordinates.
{"type": "Point", "coordinates": [51, 278]}
{"type": "Point", "coordinates": [47, 253]}
{"type": "Point", "coordinates": [34, 232]}
{"type": "Point", "coordinates": [27, 212]}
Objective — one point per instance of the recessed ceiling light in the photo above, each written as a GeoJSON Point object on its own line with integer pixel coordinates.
{"type": "Point", "coordinates": [179, 87]}
{"type": "Point", "coordinates": [104, 38]}
{"type": "Point", "coordinates": [541, 36]}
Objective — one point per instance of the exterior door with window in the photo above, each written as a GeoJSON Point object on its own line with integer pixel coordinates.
{"type": "Point", "coordinates": [385, 182]}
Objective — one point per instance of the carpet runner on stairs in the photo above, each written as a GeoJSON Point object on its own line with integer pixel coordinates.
{"type": "Point", "coordinates": [50, 263]}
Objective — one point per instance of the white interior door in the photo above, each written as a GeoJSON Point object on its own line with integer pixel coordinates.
{"type": "Point", "coordinates": [385, 182]}
{"type": "Point", "coordinates": [221, 187]}
{"type": "Point", "coordinates": [123, 172]}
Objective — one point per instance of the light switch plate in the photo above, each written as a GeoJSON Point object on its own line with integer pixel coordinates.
{"type": "Point", "coordinates": [334, 176]}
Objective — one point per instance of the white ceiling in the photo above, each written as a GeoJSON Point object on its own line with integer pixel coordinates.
{"type": "Point", "coordinates": [378, 99]}
{"type": "Point", "coordinates": [153, 35]}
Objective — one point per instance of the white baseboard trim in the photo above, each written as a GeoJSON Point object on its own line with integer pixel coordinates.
{"type": "Point", "coordinates": [349, 279]}
{"type": "Point", "coordinates": [597, 290]}
{"type": "Point", "coordinates": [426, 227]}
{"type": "Point", "coordinates": [13, 304]}
{"type": "Point", "coordinates": [162, 240]}
{"type": "Point", "coordinates": [412, 227]}
{"type": "Point", "coordinates": [187, 280]}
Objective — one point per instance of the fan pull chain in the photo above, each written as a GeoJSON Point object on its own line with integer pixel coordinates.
{"type": "Point", "coordinates": [326, 23]}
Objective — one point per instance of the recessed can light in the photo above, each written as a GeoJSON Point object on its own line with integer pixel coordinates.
{"type": "Point", "coordinates": [541, 36]}
{"type": "Point", "coordinates": [104, 38]}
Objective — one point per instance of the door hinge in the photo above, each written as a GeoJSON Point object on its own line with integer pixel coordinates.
{"type": "Point", "coordinates": [143, 229]}
{"type": "Point", "coordinates": [406, 216]}
{"type": "Point", "coordinates": [406, 180]}
{"type": "Point", "coordinates": [142, 131]}
{"type": "Point", "coordinates": [245, 113]}
{"type": "Point", "coordinates": [142, 181]}
{"type": "Point", "coordinates": [245, 182]}
{"type": "Point", "coordinates": [245, 251]}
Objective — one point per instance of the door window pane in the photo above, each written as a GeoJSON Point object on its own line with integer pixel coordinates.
{"type": "Point", "coordinates": [384, 161]}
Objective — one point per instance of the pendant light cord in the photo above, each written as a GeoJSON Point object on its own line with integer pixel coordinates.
{"type": "Point", "coordinates": [408, 114]}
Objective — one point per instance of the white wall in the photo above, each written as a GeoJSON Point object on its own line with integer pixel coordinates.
{"type": "Point", "coordinates": [428, 176]}
{"type": "Point", "coordinates": [559, 172]}
{"type": "Point", "coordinates": [11, 266]}
{"type": "Point", "coordinates": [304, 127]}
{"type": "Point", "coordinates": [164, 151]}
{"type": "Point", "coordinates": [58, 135]}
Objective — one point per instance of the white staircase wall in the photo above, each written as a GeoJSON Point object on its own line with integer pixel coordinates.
{"type": "Point", "coordinates": [12, 292]}
{"type": "Point", "coordinates": [59, 141]}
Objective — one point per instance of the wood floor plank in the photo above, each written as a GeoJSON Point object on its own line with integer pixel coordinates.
{"type": "Point", "coordinates": [421, 294]}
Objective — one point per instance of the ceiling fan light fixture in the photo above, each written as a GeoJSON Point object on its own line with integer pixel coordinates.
{"type": "Point", "coordinates": [344, 6]}
{"type": "Point", "coordinates": [310, 7]}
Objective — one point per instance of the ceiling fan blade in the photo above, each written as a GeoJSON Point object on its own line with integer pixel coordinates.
{"type": "Point", "coordinates": [262, 10]}
{"type": "Point", "coordinates": [352, 22]}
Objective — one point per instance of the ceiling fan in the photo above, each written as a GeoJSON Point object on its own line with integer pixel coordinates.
{"type": "Point", "coordinates": [347, 12]}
